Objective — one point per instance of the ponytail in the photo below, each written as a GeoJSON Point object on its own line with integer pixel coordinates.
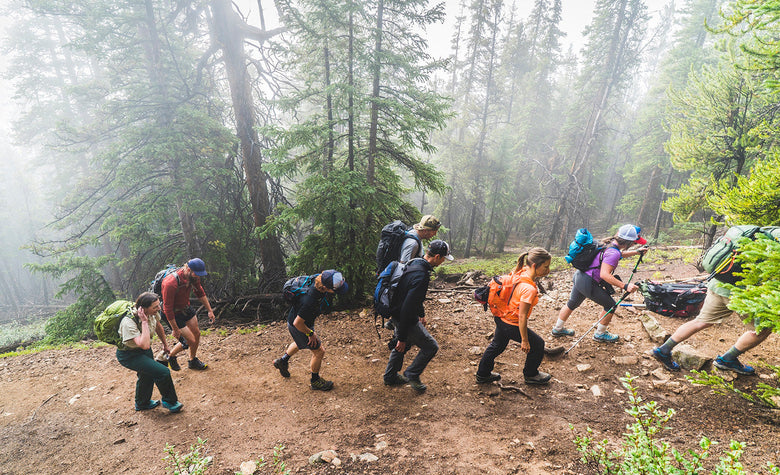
{"type": "Point", "coordinates": [535, 256]}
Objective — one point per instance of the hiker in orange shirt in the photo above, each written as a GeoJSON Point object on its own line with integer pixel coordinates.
{"type": "Point", "coordinates": [513, 325]}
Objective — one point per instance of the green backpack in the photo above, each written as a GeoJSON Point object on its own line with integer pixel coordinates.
{"type": "Point", "coordinates": [719, 259]}
{"type": "Point", "coordinates": [106, 324]}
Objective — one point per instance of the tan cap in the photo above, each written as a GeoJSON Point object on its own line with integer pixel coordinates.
{"type": "Point", "coordinates": [429, 222]}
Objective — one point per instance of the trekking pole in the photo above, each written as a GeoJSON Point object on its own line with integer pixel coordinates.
{"type": "Point", "coordinates": [612, 309]}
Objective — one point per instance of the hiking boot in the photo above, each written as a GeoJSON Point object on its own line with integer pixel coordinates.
{"type": "Point", "coordinates": [733, 365]}
{"type": "Point", "coordinates": [541, 378]}
{"type": "Point", "coordinates": [173, 363]}
{"type": "Point", "coordinates": [282, 365]}
{"type": "Point", "coordinates": [555, 351]}
{"type": "Point", "coordinates": [417, 385]}
{"type": "Point", "coordinates": [667, 360]}
{"type": "Point", "coordinates": [197, 364]}
{"type": "Point", "coordinates": [322, 385]}
{"type": "Point", "coordinates": [606, 337]}
{"type": "Point", "coordinates": [562, 332]}
{"type": "Point", "coordinates": [150, 405]}
{"type": "Point", "coordinates": [175, 407]}
{"type": "Point", "coordinates": [488, 379]}
{"type": "Point", "coordinates": [397, 380]}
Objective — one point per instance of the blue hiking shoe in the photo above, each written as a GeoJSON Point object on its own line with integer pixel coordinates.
{"type": "Point", "coordinates": [562, 332]}
{"type": "Point", "coordinates": [176, 407]}
{"type": "Point", "coordinates": [149, 405]}
{"type": "Point", "coordinates": [733, 365]}
{"type": "Point", "coordinates": [667, 360]}
{"type": "Point", "coordinates": [606, 337]}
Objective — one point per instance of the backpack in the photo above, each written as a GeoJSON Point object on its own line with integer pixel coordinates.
{"type": "Point", "coordinates": [297, 286]}
{"type": "Point", "coordinates": [719, 260]}
{"type": "Point", "coordinates": [387, 283]}
{"type": "Point", "coordinates": [390, 243]}
{"type": "Point", "coordinates": [481, 295]}
{"type": "Point", "coordinates": [156, 284]}
{"type": "Point", "coordinates": [501, 290]}
{"type": "Point", "coordinates": [582, 250]}
{"type": "Point", "coordinates": [106, 324]}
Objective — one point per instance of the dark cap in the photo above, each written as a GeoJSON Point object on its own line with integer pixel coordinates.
{"type": "Point", "coordinates": [333, 280]}
{"type": "Point", "coordinates": [440, 248]}
{"type": "Point", "coordinates": [197, 266]}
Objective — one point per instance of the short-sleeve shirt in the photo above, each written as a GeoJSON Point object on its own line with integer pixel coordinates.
{"type": "Point", "coordinates": [310, 306]}
{"type": "Point", "coordinates": [411, 248]}
{"type": "Point", "coordinates": [525, 292]}
{"type": "Point", "coordinates": [612, 256]}
{"type": "Point", "coordinates": [129, 329]}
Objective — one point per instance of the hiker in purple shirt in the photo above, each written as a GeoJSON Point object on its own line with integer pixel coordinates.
{"type": "Point", "coordinates": [590, 284]}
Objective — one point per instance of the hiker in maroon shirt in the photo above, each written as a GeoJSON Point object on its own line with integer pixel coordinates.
{"type": "Point", "coordinates": [176, 288]}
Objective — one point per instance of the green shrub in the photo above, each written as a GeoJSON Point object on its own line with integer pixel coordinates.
{"type": "Point", "coordinates": [763, 394]}
{"type": "Point", "coordinates": [641, 450]}
{"type": "Point", "coordinates": [195, 462]}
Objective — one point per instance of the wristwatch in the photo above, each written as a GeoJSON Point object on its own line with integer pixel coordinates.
{"type": "Point", "coordinates": [625, 286]}
{"type": "Point", "coordinates": [310, 333]}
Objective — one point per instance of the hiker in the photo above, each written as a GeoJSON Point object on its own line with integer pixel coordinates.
{"type": "Point", "coordinates": [180, 315]}
{"type": "Point", "coordinates": [714, 310]}
{"type": "Point", "coordinates": [513, 325]}
{"type": "Point", "coordinates": [300, 323]}
{"type": "Point", "coordinates": [136, 354]}
{"type": "Point", "coordinates": [588, 284]}
{"type": "Point", "coordinates": [424, 230]}
{"type": "Point", "coordinates": [408, 315]}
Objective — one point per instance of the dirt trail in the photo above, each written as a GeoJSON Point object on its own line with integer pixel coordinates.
{"type": "Point", "coordinates": [71, 411]}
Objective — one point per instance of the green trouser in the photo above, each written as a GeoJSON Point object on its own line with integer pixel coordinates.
{"type": "Point", "coordinates": [150, 372]}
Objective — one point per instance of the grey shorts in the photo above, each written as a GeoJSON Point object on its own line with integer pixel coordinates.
{"type": "Point", "coordinates": [586, 287]}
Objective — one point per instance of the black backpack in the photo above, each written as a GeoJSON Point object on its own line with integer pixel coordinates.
{"type": "Point", "coordinates": [390, 243]}
{"type": "Point", "coordinates": [156, 285]}
{"type": "Point", "coordinates": [297, 286]}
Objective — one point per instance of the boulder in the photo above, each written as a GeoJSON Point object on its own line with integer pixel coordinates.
{"type": "Point", "coordinates": [689, 357]}
{"type": "Point", "coordinates": [654, 330]}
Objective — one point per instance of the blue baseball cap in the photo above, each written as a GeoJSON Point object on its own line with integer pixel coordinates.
{"type": "Point", "coordinates": [333, 280]}
{"type": "Point", "coordinates": [197, 266]}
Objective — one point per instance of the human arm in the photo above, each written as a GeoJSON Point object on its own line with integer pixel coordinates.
{"type": "Point", "coordinates": [607, 276]}
{"type": "Point", "coordinates": [170, 286]}
{"type": "Point", "coordinates": [144, 340]}
{"type": "Point", "coordinates": [161, 335]}
{"type": "Point", "coordinates": [635, 252]}
{"type": "Point", "coordinates": [411, 308]}
{"type": "Point", "coordinates": [205, 301]}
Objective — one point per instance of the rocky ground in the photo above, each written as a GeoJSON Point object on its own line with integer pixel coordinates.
{"type": "Point", "coordinates": [71, 411]}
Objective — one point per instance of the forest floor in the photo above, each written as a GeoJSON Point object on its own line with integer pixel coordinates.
{"type": "Point", "coordinates": [71, 411]}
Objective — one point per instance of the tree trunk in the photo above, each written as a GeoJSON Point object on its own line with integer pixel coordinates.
{"type": "Point", "coordinates": [373, 125]}
{"type": "Point", "coordinates": [228, 33]}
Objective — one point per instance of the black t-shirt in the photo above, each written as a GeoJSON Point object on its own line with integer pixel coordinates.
{"type": "Point", "coordinates": [310, 305]}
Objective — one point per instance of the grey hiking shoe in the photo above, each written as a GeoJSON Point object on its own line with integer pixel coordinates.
{"type": "Point", "coordinates": [417, 385]}
{"type": "Point", "coordinates": [322, 385]}
{"type": "Point", "coordinates": [541, 378]}
{"type": "Point", "coordinates": [733, 365]}
{"type": "Point", "coordinates": [562, 332]}
{"type": "Point", "coordinates": [606, 337]}
{"type": "Point", "coordinates": [397, 380]}
{"type": "Point", "coordinates": [282, 366]}
{"type": "Point", "coordinates": [488, 379]}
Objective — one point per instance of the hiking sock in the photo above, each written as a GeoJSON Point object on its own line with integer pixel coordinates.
{"type": "Point", "coordinates": [601, 328]}
{"type": "Point", "coordinates": [285, 357]}
{"type": "Point", "coordinates": [732, 354]}
{"type": "Point", "coordinates": [315, 377]}
{"type": "Point", "coordinates": [559, 324]}
{"type": "Point", "coordinates": [667, 347]}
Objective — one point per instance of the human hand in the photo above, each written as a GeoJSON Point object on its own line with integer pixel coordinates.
{"type": "Point", "coordinates": [314, 341]}
{"type": "Point", "coordinates": [212, 317]}
{"type": "Point", "coordinates": [525, 346]}
{"type": "Point", "coordinates": [422, 320]}
{"type": "Point", "coordinates": [400, 346]}
{"type": "Point", "coordinates": [142, 315]}
{"type": "Point", "coordinates": [632, 288]}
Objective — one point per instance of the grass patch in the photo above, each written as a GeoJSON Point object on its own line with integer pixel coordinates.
{"type": "Point", "coordinates": [13, 333]}
{"type": "Point", "coordinates": [38, 347]}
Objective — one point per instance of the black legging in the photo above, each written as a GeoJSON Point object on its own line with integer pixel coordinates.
{"type": "Point", "coordinates": [504, 333]}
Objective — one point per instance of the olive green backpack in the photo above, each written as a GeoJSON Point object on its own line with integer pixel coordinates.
{"type": "Point", "coordinates": [719, 259]}
{"type": "Point", "coordinates": [106, 324]}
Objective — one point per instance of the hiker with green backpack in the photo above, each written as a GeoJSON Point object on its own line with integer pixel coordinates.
{"type": "Point", "coordinates": [589, 282]}
{"type": "Point", "coordinates": [134, 352]}
{"type": "Point", "coordinates": [719, 260]}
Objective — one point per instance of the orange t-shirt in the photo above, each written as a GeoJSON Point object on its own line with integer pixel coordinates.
{"type": "Point", "coordinates": [525, 292]}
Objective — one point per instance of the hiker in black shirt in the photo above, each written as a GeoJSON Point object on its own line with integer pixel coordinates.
{"type": "Point", "coordinates": [300, 323]}
{"type": "Point", "coordinates": [408, 316]}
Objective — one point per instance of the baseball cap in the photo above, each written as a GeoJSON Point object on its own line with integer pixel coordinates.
{"type": "Point", "coordinates": [197, 266]}
{"type": "Point", "coordinates": [428, 222]}
{"type": "Point", "coordinates": [639, 239]}
{"type": "Point", "coordinates": [627, 232]}
{"type": "Point", "coordinates": [333, 280]}
{"type": "Point", "coordinates": [440, 248]}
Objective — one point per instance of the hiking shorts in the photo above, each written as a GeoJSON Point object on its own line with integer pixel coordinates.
{"type": "Point", "coordinates": [715, 308]}
{"type": "Point", "coordinates": [587, 287]}
{"type": "Point", "coordinates": [182, 317]}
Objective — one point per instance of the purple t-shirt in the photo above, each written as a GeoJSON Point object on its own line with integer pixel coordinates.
{"type": "Point", "coordinates": [612, 256]}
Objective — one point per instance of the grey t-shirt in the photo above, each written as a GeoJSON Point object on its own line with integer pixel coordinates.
{"type": "Point", "coordinates": [410, 249]}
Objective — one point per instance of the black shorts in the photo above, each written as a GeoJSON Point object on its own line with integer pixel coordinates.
{"type": "Point", "coordinates": [182, 317]}
{"type": "Point", "coordinates": [300, 338]}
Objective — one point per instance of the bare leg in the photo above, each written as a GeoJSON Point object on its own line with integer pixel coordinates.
{"type": "Point", "coordinates": [750, 339]}
{"type": "Point", "coordinates": [316, 359]}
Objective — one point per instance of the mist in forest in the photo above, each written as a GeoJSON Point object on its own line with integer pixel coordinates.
{"type": "Point", "coordinates": [277, 138]}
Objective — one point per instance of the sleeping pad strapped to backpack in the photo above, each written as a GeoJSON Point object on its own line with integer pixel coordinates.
{"type": "Point", "coordinates": [679, 300]}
